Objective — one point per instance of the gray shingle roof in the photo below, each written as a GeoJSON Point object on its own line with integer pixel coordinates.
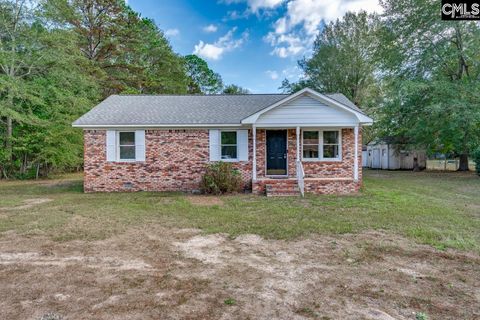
{"type": "Point", "coordinates": [344, 100]}
{"type": "Point", "coordinates": [182, 109]}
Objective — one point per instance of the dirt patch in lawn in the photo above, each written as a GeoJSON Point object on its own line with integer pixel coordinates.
{"type": "Point", "coordinates": [27, 204]}
{"type": "Point", "coordinates": [39, 259]}
{"type": "Point", "coordinates": [159, 273]}
{"type": "Point", "coordinates": [205, 200]}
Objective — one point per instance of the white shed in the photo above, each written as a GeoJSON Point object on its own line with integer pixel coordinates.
{"type": "Point", "coordinates": [387, 156]}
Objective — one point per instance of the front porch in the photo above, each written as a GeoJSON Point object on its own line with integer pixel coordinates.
{"type": "Point", "coordinates": [307, 142]}
{"type": "Point", "coordinates": [300, 164]}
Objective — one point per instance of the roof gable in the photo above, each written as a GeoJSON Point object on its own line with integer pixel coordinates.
{"type": "Point", "coordinates": [306, 111]}
{"type": "Point", "coordinates": [323, 100]}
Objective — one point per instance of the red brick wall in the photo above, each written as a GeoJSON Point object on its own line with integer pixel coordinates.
{"type": "Point", "coordinates": [175, 160]}
{"type": "Point", "coordinates": [261, 149]}
{"type": "Point", "coordinates": [331, 187]}
{"type": "Point", "coordinates": [337, 169]}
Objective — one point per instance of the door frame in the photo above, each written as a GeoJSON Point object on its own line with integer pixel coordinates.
{"type": "Point", "coordinates": [286, 159]}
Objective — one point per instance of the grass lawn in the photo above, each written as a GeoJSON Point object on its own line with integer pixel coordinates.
{"type": "Point", "coordinates": [176, 256]}
{"type": "Point", "coordinates": [439, 209]}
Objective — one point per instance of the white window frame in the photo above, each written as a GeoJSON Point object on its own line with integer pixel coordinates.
{"type": "Point", "coordinates": [228, 145]}
{"type": "Point", "coordinates": [321, 144]}
{"type": "Point", "coordinates": [118, 146]}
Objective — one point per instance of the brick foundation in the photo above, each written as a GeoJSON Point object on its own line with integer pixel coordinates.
{"type": "Point", "coordinates": [331, 187]}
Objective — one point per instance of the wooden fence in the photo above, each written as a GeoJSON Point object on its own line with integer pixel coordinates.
{"type": "Point", "coordinates": [447, 165]}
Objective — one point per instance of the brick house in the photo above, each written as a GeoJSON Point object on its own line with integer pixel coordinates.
{"type": "Point", "coordinates": [281, 144]}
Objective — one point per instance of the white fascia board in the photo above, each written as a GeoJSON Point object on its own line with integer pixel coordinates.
{"type": "Point", "coordinates": [367, 122]}
{"type": "Point", "coordinates": [99, 126]}
{"type": "Point", "coordinates": [362, 118]}
{"type": "Point", "coordinates": [306, 125]}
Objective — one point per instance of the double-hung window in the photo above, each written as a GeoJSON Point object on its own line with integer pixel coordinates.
{"type": "Point", "coordinates": [126, 146]}
{"type": "Point", "coordinates": [331, 145]}
{"type": "Point", "coordinates": [321, 145]}
{"type": "Point", "coordinates": [228, 141]}
{"type": "Point", "coordinates": [311, 145]}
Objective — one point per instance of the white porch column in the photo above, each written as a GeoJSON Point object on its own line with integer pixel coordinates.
{"type": "Point", "coordinates": [298, 143]}
{"type": "Point", "coordinates": [355, 165]}
{"type": "Point", "coordinates": [254, 164]}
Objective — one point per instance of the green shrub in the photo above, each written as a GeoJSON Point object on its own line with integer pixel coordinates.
{"type": "Point", "coordinates": [230, 302]}
{"type": "Point", "coordinates": [476, 158]}
{"type": "Point", "coordinates": [421, 316]}
{"type": "Point", "coordinates": [220, 178]}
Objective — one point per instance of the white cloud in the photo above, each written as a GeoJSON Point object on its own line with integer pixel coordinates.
{"type": "Point", "coordinates": [310, 13]}
{"type": "Point", "coordinates": [215, 51]}
{"type": "Point", "coordinates": [295, 32]}
{"type": "Point", "coordinates": [256, 5]}
{"type": "Point", "coordinates": [281, 25]}
{"type": "Point", "coordinates": [210, 28]}
{"type": "Point", "coordinates": [235, 15]}
{"type": "Point", "coordinates": [272, 74]}
{"type": "Point", "coordinates": [208, 51]}
{"type": "Point", "coordinates": [286, 45]}
{"type": "Point", "coordinates": [172, 32]}
{"type": "Point", "coordinates": [292, 73]}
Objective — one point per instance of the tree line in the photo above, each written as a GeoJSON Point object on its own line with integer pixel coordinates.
{"type": "Point", "coordinates": [58, 58]}
{"type": "Point", "coordinates": [418, 76]}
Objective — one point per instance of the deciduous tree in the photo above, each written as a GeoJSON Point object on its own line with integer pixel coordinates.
{"type": "Point", "coordinates": [433, 71]}
{"type": "Point", "coordinates": [343, 61]}
{"type": "Point", "coordinates": [42, 88]}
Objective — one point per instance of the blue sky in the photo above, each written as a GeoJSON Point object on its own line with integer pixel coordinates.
{"type": "Point", "coordinates": [251, 43]}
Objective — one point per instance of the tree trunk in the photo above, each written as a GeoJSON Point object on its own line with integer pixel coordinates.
{"type": "Point", "coordinates": [8, 148]}
{"type": "Point", "coordinates": [23, 168]}
{"type": "Point", "coordinates": [463, 165]}
{"type": "Point", "coordinates": [462, 63]}
{"type": "Point", "coordinates": [416, 167]}
{"type": "Point", "coordinates": [8, 138]}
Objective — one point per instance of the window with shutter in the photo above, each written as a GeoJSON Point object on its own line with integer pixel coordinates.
{"type": "Point", "coordinates": [111, 145]}
{"type": "Point", "coordinates": [242, 145]}
{"type": "Point", "coordinates": [140, 145]}
{"type": "Point", "coordinates": [126, 146]}
{"type": "Point", "coordinates": [214, 144]}
{"type": "Point", "coordinates": [228, 142]}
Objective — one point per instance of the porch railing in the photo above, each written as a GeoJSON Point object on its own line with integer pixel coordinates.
{"type": "Point", "coordinates": [300, 178]}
